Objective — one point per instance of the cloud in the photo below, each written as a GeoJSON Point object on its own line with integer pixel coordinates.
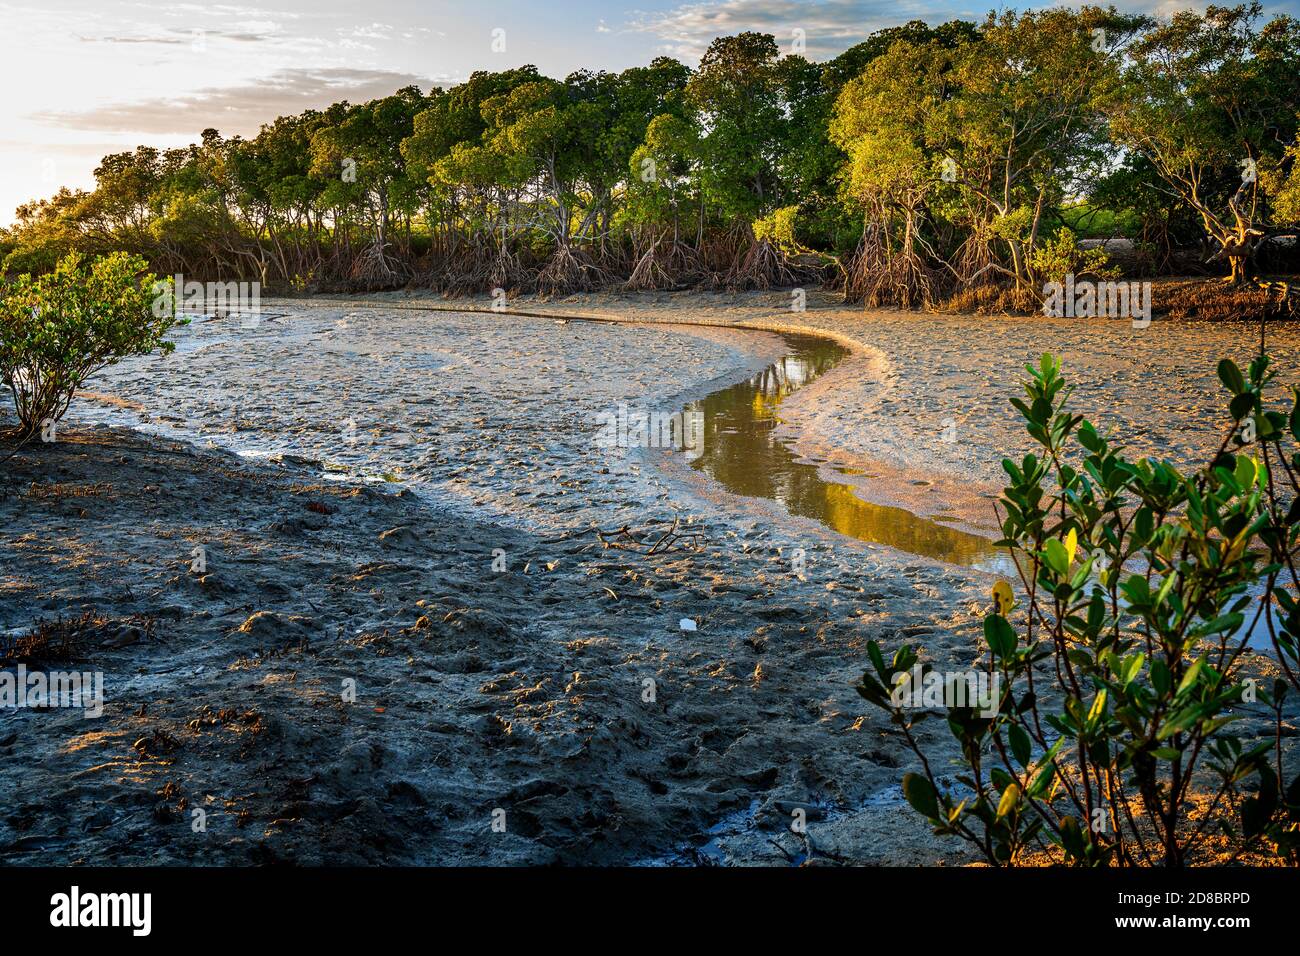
{"type": "Point", "coordinates": [243, 109]}
{"type": "Point", "coordinates": [144, 39]}
{"type": "Point", "coordinates": [831, 26]}
{"type": "Point", "coordinates": [245, 31]}
{"type": "Point", "coordinates": [181, 37]}
{"type": "Point", "coordinates": [373, 31]}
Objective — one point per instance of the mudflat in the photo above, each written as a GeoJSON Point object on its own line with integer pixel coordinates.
{"type": "Point", "coordinates": [435, 622]}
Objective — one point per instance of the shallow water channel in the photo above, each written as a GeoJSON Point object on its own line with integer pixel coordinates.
{"type": "Point", "coordinates": [742, 453]}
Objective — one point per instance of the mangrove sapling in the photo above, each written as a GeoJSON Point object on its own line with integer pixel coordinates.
{"type": "Point", "coordinates": [1117, 688]}
{"type": "Point", "coordinates": [59, 329]}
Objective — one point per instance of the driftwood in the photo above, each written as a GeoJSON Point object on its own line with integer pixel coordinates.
{"type": "Point", "coordinates": [625, 539]}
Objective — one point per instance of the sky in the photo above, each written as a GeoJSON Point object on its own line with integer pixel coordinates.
{"type": "Point", "coordinates": [84, 78]}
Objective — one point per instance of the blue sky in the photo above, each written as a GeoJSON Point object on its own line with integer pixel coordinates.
{"type": "Point", "coordinates": [83, 78]}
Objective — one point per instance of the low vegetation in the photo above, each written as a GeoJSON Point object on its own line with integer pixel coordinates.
{"type": "Point", "coordinates": [60, 328]}
{"type": "Point", "coordinates": [1129, 724]}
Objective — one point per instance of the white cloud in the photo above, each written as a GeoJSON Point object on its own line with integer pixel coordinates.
{"type": "Point", "coordinates": [831, 26]}
{"type": "Point", "coordinates": [244, 108]}
{"type": "Point", "coordinates": [373, 31]}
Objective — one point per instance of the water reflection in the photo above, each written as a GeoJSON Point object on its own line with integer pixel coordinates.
{"type": "Point", "coordinates": [742, 453]}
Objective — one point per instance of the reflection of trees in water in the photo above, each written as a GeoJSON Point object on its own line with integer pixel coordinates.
{"type": "Point", "coordinates": [741, 453]}
{"type": "Point", "coordinates": [848, 514]}
{"type": "Point", "coordinates": [794, 371]}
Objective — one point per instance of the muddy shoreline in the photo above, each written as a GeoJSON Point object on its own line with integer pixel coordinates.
{"type": "Point", "coordinates": [921, 407]}
{"type": "Point", "coordinates": [510, 659]}
{"type": "Point", "coordinates": [476, 691]}
{"type": "Point", "coordinates": [522, 691]}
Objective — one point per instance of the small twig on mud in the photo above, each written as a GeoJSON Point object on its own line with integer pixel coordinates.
{"type": "Point", "coordinates": [558, 539]}
{"type": "Point", "coordinates": [789, 857]}
{"type": "Point", "coordinates": [624, 539]}
{"type": "Point", "coordinates": [606, 536]}
{"type": "Point", "coordinates": [22, 444]}
{"type": "Point", "coordinates": [828, 854]}
{"type": "Point", "coordinates": [666, 535]}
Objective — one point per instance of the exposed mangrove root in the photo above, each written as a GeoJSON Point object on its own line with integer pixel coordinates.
{"type": "Point", "coordinates": [664, 265]}
{"type": "Point", "coordinates": [480, 269]}
{"type": "Point", "coordinates": [376, 269]}
{"type": "Point", "coordinates": [764, 266]}
{"type": "Point", "coordinates": [1287, 294]}
{"type": "Point", "coordinates": [975, 265]}
{"type": "Point", "coordinates": [886, 272]}
{"type": "Point", "coordinates": [570, 270]}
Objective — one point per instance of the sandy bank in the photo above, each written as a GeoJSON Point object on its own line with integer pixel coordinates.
{"type": "Point", "coordinates": [922, 408]}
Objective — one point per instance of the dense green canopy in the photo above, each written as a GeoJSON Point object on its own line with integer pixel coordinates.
{"type": "Point", "coordinates": [921, 163]}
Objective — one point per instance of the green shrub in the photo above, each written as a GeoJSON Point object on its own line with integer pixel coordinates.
{"type": "Point", "coordinates": [59, 329]}
{"type": "Point", "coordinates": [1060, 255]}
{"type": "Point", "coordinates": [1110, 738]}
{"type": "Point", "coordinates": [32, 255]}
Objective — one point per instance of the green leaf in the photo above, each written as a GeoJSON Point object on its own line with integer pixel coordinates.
{"type": "Point", "coordinates": [1246, 472]}
{"type": "Point", "coordinates": [1046, 771]}
{"type": "Point", "coordinates": [877, 659]}
{"type": "Point", "coordinates": [1056, 557]}
{"type": "Point", "coordinates": [1089, 438]}
{"type": "Point", "coordinates": [1160, 677]}
{"type": "Point", "coordinates": [920, 794]}
{"type": "Point", "coordinates": [1166, 586]}
{"type": "Point", "coordinates": [1098, 707]}
{"type": "Point", "coordinates": [1072, 837]}
{"type": "Point", "coordinates": [1241, 406]}
{"type": "Point", "coordinates": [1231, 376]}
{"type": "Point", "coordinates": [1191, 675]}
{"type": "Point", "coordinates": [1021, 745]}
{"type": "Point", "coordinates": [1000, 636]}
